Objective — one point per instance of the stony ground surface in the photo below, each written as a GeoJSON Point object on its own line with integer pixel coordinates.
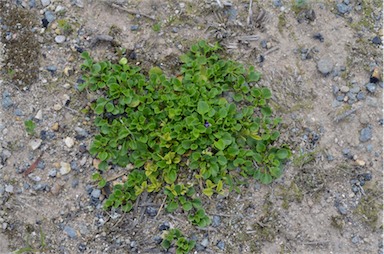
{"type": "Point", "coordinates": [321, 59]}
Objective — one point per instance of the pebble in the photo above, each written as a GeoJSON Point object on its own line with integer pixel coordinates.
{"type": "Point", "coordinates": [341, 208]}
{"type": "Point", "coordinates": [44, 22]}
{"type": "Point", "coordinates": [340, 98]}
{"type": "Point", "coordinates": [55, 190]}
{"type": "Point", "coordinates": [376, 40]}
{"type": "Point", "coordinates": [344, 89]}
{"type": "Point", "coordinates": [366, 134]}
{"type": "Point", "coordinates": [41, 187]}
{"type": "Point", "coordinates": [336, 103]}
{"type": "Point", "coordinates": [82, 247]}
{"type": "Point", "coordinates": [164, 226]}
{"type": "Point", "coordinates": [205, 242]}
{"type": "Point", "coordinates": [49, 16]}
{"type": "Point", "coordinates": [277, 3]}
{"type": "Point", "coordinates": [151, 211]}
{"type": "Point", "coordinates": [216, 220]}
{"type": "Point", "coordinates": [221, 245]}
{"type": "Point", "coordinates": [60, 39]}
{"type": "Point", "coordinates": [9, 188]}
{"type": "Point", "coordinates": [57, 107]}
{"type": "Point", "coordinates": [35, 143]}
{"type": "Point", "coordinates": [325, 65]}
{"type": "Point", "coordinates": [75, 183]}
{"type": "Point", "coordinates": [134, 27]}
{"type": "Point", "coordinates": [59, 8]}
{"type": "Point", "coordinates": [18, 112]}
{"type": "Point", "coordinates": [7, 101]}
{"type": "Point", "coordinates": [81, 132]}
{"type": "Point", "coordinates": [65, 168]}
{"type": "Point", "coordinates": [45, 3]}
{"type": "Point", "coordinates": [318, 36]}
{"type": "Point", "coordinates": [52, 173]}
{"type": "Point", "coordinates": [32, 4]}
{"type": "Point", "coordinates": [96, 193]}
{"type": "Point", "coordinates": [360, 96]}
{"type": "Point", "coordinates": [355, 89]}
{"type": "Point", "coordinates": [371, 87]}
{"type": "Point", "coordinates": [70, 232]}
{"type": "Point", "coordinates": [52, 68]}
{"type": "Point", "coordinates": [69, 142]}
{"type": "Point", "coordinates": [360, 162]}
{"type": "Point", "coordinates": [343, 8]}
{"type": "Point", "coordinates": [79, 3]}
{"type": "Point", "coordinates": [39, 115]}
{"type": "Point", "coordinates": [55, 127]}
{"type": "Point", "coordinates": [34, 178]}
{"type": "Point", "coordinates": [356, 239]}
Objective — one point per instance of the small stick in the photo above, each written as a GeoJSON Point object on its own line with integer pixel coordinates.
{"type": "Point", "coordinates": [161, 207]}
{"type": "Point", "coordinates": [132, 12]}
{"type": "Point", "coordinates": [345, 114]}
{"type": "Point", "coordinates": [271, 50]}
{"type": "Point", "coordinates": [33, 166]}
{"type": "Point", "coordinates": [249, 18]}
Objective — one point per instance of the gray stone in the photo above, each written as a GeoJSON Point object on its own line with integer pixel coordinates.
{"type": "Point", "coordinates": [32, 4]}
{"type": "Point", "coordinates": [355, 89]}
{"type": "Point", "coordinates": [134, 27]}
{"type": "Point", "coordinates": [49, 16]}
{"type": "Point", "coordinates": [205, 242]}
{"type": "Point", "coordinates": [342, 208]}
{"type": "Point", "coordinates": [340, 98]}
{"type": "Point", "coordinates": [335, 90]}
{"type": "Point", "coordinates": [9, 188]}
{"type": "Point", "coordinates": [81, 132]}
{"type": "Point", "coordinates": [175, 30]}
{"type": "Point", "coordinates": [96, 193]}
{"type": "Point", "coordinates": [60, 39]}
{"type": "Point", "coordinates": [52, 173]}
{"type": "Point", "coordinates": [79, 3]}
{"type": "Point", "coordinates": [7, 101]}
{"type": "Point", "coordinates": [371, 101]}
{"type": "Point", "coordinates": [371, 87]}
{"type": "Point", "coordinates": [366, 134]}
{"type": "Point", "coordinates": [344, 89]}
{"type": "Point", "coordinates": [342, 8]}
{"type": "Point", "coordinates": [221, 245]}
{"type": "Point", "coordinates": [277, 3]}
{"type": "Point", "coordinates": [325, 65]}
{"type": "Point", "coordinates": [336, 103]}
{"type": "Point", "coordinates": [45, 3]}
{"type": "Point", "coordinates": [70, 232]}
{"type": "Point", "coordinates": [41, 187]}
{"type": "Point", "coordinates": [52, 68]}
{"type": "Point", "coordinates": [216, 220]}
{"type": "Point", "coordinates": [360, 96]}
{"type": "Point", "coordinates": [151, 211]}
{"type": "Point", "coordinates": [18, 112]}
{"type": "Point", "coordinates": [355, 239]}
{"type": "Point", "coordinates": [75, 183]}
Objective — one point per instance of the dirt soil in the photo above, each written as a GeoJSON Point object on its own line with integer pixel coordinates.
{"type": "Point", "coordinates": [321, 59]}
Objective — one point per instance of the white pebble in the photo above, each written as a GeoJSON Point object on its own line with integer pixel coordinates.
{"type": "Point", "coordinates": [69, 142]}
{"type": "Point", "coordinates": [39, 115]}
{"type": "Point", "coordinates": [60, 39]}
{"type": "Point", "coordinates": [65, 168]}
{"type": "Point", "coordinates": [35, 143]}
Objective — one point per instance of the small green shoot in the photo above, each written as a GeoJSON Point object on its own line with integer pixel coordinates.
{"type": "Point", "coordinates": [30, 127]}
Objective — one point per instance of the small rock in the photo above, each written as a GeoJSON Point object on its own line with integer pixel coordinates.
{"type": "Point", "coordinates": [134, 27]}
{"type": "Point", "coordinates": [341, 208]}
{"type": "Point", "coordinates": [45, 3]}
{"type": "Point", "coordinates": [366, 134]}
{"type": "Point", "coordinates": [41, 187]}
{"type": "Point", "coordinates": [343, 8]}
{"type": "Point", "coordinates": [216, 220]}
{"type": "Point", "coordinates": [336, 103]}
{"type": "Point", "coordinates": [164, 226]}
{"type": "Point", "coordinates": [35, 143]}
{"type": "Point", "coordinates": [277, 3]}
{"type": "Point", "coordinates": [371, 87]}
{"type": "Point", "coordinates": [65, 168]}
{"type": "Point", "coordinates": [325, 65]}
{"type": "Point", "coordinates": [69, 142]}
{"type": "Point", "coordinates": [75, 183]}
{"type": "Point", "coordinates": [32, 4]}
{"type": "Point", "coordinates": [39, 115]}
{"type": "Point", "coordinates": [344, 89]}
{"type": "Point", "coordinates": [52, 68]}
{"type": "Point", "coordinates": [175, 30]}
{"type": "Point", "coordinates": [318, 36]}
{"type": "Point", "coordinates": [221, 245]}
{"type": "Point", "coordinates": [376, 40]}
{"type": "Point", "coordinates": [9, 188]}
{"type": "Point", "coordinates": [355, 89]}
{"type": "Point", "coordinates": [360, 96]}
{"type": "Point", "coordinates": [34, 178]}
{"type": "Point", "coordinates": [371, 101]}
{"type": "Point", "coordinates": [18, 112]}
{"type": "Point", "coordinates": [81, 132]}
{"type": "Point", "coordinates": [55, 127]}
{"type": "Point", "coordinates": [205, 242]}
{"type": "Point", "coordinates": [360, 162]}
{"type": "Point", "coordinates": [60, 39]}
{"type": "Point", "coordinates": [55, 190]}
{"type": "Point", "coordinates": [340, 98]}
{"type": "Point", "coordinates": [82, 247]}
{"type": "Point", "coordinates": [356, 239]}
{"type": "Point", "coordinates": [52, 173]}
{"type": "Point", "coordinates": [57, 107]}
{"type": "Point", "coordinates": [70, 232]}
{"type": "Point", "coordinates": [49, 16]}
{"type": "Point", "coordinates": [59, 8]}
{"type": "Point", "coordinates": [7, 101]}
{"type": "Point", "coordinates": [44, 22]}
{"type": "Point", "coordinates": [335, 90]}
{"type": "Point", "coordinates": [151, 211]}
{"type": "Point", "coordinates": [79, 3]}
{"type": "Point", "coordinates": [96, 193]}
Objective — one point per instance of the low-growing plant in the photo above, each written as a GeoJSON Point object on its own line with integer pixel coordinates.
{"type": "Point", "coordinates": [175, 237]}
{"type": "Point", "coordinates": [199, 131]}
{"type": "Point", "coordinates": [30, 127]}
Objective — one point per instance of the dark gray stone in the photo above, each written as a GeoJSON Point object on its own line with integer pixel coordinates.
{"type": "Point", "coordinates": [75, 183]}
{"type": "Point", "coordinates": [18, 112]}
{"type": "Point", "coordinates": [341, 208]}
{"type": "Point", "coordinates": [335, 90]}
{"type": "Point", "coordinates": [41, 187]}
{"type": "Point", "coordinates": [164, 226]}
{"type": "Point", "coordinates": [6, 101]}
{"type": "Point", "coordinates": [277, 3]}
{"type": "Point", "coordinates": [340, 98]}
{"type": "Point", "coordinates": [32, 4]}
{"type": "Point", "coordinates": [151, 211]}
{"type": "Point", "coordinates": [134, 27]}
{"type": "Point", "coordinates": [216, 220]}
{"type": "Point", "coordinates": [376, 40]}
{"type": "Point", "coordinates": [356, 239]}
{"type": "Point", "coordinates": [366, 134]}
{"type": "Point", "coordinates": [52, 68]}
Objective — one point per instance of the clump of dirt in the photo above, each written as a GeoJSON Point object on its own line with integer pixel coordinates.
{"type": "Point", "coordinates": [21, 45]}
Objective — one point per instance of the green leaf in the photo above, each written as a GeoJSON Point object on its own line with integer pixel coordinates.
{"type": "Point", "coordinates": [220, 144]}
{"type": "Point", "coordinates": [282, 153]}
{"type": "Point", "coordinates": [266, 93]}
{"type": "Point", "coordinates": [172, 206]}
{"type": "Point", "coordinates": [103, 156]}
{"type": "Point", "coordinates": [275, 171]}
{"type": "Point", "coordinates": [202, 107]}
{"type": "Point", "coordinates": [208, 192]}
{"type": "Point", "coordinates": [266, 111]}
{"type": "Point", "coordinates": [222, 160]}
{"type": "Point", "coordinates": [238, 97]}
{"type": "Point", "coordinates": [187, 206]}
{"type": "Point", "coordinates": [253, 76]}
{"type": "Point", "coordinates": [265, 178]}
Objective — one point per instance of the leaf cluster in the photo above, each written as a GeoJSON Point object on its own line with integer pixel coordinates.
{"type": "Point", "coordinates": [197, 130]}
{"type": "Point", "coordinates": [175, 237]}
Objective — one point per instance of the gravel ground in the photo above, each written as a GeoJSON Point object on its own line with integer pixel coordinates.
{"type": "Point", "coordinates": [321, 59]}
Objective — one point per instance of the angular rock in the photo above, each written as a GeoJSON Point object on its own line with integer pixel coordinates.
{"type": "Point", "coordinates": [325, 65]}
{"type": "Point", "coordinates": [366, 134]}
{"type": "Point", "coordinates": [65, 168]}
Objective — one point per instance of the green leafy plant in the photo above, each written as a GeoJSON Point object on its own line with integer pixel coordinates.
{"type": "Point", "coordinates": [30, 249]}
{"type": "Point", "coordinates": [30, 127]}
{"type": "Point", "coordinates": [175, 237]}
{"type": "Point", "coordinates": [156, 27]}
{"type": "Point", "coordinates": [203, 130]}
